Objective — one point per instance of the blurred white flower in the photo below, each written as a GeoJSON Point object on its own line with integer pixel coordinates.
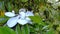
{"type": "Point", "coordinates": [52, 1]}
{"type": "Point", "coordinates": [55, 5]}
{"type": "Point", "coordinates": [10, 14]}
{"type": "Point", "coordinates": [24, 19]}
{"type": "Point", "coordinates": [21, 19]}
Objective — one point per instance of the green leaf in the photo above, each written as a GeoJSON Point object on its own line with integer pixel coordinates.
{"type": "Point", "coordinates": [6, 30]}
{"type": "Point", "coordinates": [2, 5]}
{"type": "Point", "coordinates": [18, 29]}
{"type": "Point", "coordinates": [9, 6]}
{"type": "Point", "coordinates": [36, 19]}
{"type": "Point", "coordinates": [50, 32]}
{"type": "Point", "coordinates": [25, 29]}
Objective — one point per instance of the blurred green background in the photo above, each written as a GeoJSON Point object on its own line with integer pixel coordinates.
{"type": "Point", "coordinates": [45, 21]}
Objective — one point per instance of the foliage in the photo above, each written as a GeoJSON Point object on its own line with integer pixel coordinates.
{"type": "Point", "coordinates": [6, 30]}
{"type": "Point", "coordinates": [46, 22]}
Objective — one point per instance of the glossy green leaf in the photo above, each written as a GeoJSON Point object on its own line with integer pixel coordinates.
{"type": "Point", "coordinates": [6, 30]}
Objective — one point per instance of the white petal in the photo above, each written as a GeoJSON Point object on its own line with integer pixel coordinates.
{"type": "Point", "coordinates": [22, 22]}
{"type": "Point", "coordinates": [29, 20]}
{"type": "Point", "coordinates": [22, 10]}
{"type": "Point", "coordinates": [12, 22]}
{"type": "Point", "coordinates": [22, 15]}
{"type": "Point", "coordinates": [28, 13]}
{"type": "Point", "coordinates": [9, 14]}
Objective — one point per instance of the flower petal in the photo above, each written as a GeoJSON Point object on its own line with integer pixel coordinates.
{"type": "Point", "coordinates": [9, 14]}
{"type": "Point", "coordinates": [22, 10]}
{"type": "Point", "coordinates": [29, 20]}
{"type": "Point", "coordinates": [29, 13]}
{"type": "Point", "coordinates": [22, 15]}
{"type": "Point", "coordinates": [22, 21]}
{"type": "Point", "coordinates": [12, 22]}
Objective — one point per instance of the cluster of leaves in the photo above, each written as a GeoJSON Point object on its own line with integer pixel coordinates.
{"type": "Point", "coordinates": [46, 22]}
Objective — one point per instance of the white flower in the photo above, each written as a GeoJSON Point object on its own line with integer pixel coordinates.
{"type": "Point", "coordinates": [52, 1]}
{"type": "Point", "coordinates": [21, 19]}
{"type": "Point", "coordinates": [55, 5]}
{"type": "Point", "coordinates": [10, 14]}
